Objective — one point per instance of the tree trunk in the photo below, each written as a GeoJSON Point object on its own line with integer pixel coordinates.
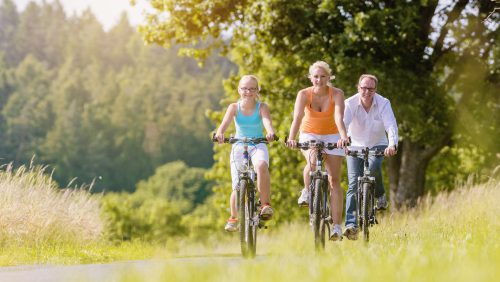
{"type": "Point", "coordinates": [407, 173]}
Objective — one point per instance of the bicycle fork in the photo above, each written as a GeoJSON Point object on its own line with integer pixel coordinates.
{"type": "Point", "coordinates": [360, 197]}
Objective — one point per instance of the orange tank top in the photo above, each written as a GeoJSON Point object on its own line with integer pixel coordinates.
{"type": "Point", "coordinates": [319, 122]}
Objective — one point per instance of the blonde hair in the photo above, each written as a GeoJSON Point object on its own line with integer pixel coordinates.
{"type": "Point", "coordinates": [323, 65]}
{"type": "Point", "coordinates": [370, 76]}
{"type": "Point", "coordinates": [254, 78]}
{"type": "Point", "coordinates": [251, 77]}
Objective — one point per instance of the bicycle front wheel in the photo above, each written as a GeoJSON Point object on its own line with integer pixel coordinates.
{"type": "Point", "coordinates": [317, 220]}
{"type": "Point", "coordinates": [366, 209]}
{"type": "Point", "coordinates": [245, 221]}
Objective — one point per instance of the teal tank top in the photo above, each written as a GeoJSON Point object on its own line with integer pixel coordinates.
{"type": "Point", "coordinates": [249, 126]}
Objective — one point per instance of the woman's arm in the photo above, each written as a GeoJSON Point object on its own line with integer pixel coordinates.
{"type": "Point", "coordinates": [298, 114]}
{"type": "Point", "coordinates": [228, 117]}
{"type": "Point", "coordinates": [339, 117]}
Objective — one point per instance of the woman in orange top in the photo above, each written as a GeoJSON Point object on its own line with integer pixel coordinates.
{"type": "Point", "coordinates": [319, 111]}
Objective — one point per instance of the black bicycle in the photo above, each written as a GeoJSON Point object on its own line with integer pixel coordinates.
{"type": "Point", "coordinates": [319, 193]}
{"type": "Point", "coordinates": [365, 196]}
{"type": "Point", "coordinates": [248, 203]}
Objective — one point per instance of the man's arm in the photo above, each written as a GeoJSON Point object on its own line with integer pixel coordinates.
{"type": "Point", "coordinates": [391, 127]}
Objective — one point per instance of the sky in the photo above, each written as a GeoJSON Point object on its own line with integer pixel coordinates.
{"type": "Point", "coordinates": [107, 11]}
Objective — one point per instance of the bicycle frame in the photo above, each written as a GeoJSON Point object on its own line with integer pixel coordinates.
{"type": "Point", "coordinates": [247, 202]}
{"type": "Point", "coordinates": [319, 200]}
{"type": "Point", "coordinates": [365, 195]}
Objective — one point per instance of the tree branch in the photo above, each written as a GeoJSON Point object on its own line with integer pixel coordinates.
{"type": "Point", "coordinates": [451, 17]}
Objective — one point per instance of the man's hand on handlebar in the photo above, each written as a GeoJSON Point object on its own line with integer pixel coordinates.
{"type": "Point", "coordinates": [390, 151]}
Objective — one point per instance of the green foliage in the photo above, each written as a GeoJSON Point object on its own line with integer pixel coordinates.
{"type": "Point", "coordinates": [419, 60]}
{"type": "Point", "coordinates": [177, 182]}
{"type": "Point", "coordinates": [154, 212]}
{"type": "Point", "coordinates": [97, 105]}
{"type": "Point", "coordinates": [132, 217]}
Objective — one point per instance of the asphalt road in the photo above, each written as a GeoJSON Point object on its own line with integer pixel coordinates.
{"type": "Point", "coordinates": [146, 270]}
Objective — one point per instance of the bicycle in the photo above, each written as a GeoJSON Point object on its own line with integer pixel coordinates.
{"type": "Point", "coordinates": [247, 203]}
{"type": "Point", "coordinates": [365, 196]}
{"type": "Point", "coordinates": [319, 195]}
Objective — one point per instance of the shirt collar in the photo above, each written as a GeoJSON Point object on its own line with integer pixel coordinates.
{"type": "Point", "coordinates": [374, 103]}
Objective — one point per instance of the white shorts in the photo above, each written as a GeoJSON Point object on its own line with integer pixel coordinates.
{"type": "Point", "coordinates": [257, 152]}
{"type": "Point", "coordinates": [327, 138]}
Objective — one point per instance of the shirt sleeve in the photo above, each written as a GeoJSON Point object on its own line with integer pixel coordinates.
{"type": "Point", "coordinates": [390, 124]}
{"type": "Point", "coordinates": [347, 116]}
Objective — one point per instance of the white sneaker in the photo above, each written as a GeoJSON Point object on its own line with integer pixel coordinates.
{"type": "Point", "coordinates": [231, 225]}
{"type": "Point", "coordinates": [336, 233]}
{"type": "Point", "coordinates": [304, 198]}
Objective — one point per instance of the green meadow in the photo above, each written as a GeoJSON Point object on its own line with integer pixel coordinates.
{"type": "Point", "coordinates": [451, 237]}
{"type": "Point", "coordinates": [448, 237]}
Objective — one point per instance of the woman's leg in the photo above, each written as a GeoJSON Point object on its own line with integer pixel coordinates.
{"type": "Point", "coordinates": [310, 165]}
{"type": "Point", "coordinates": [333, 165]}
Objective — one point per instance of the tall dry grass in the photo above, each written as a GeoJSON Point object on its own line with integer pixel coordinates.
{"type": "Point", "coordinates": [34, 211]}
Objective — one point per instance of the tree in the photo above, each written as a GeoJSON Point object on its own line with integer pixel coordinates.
{"type": "Point", "coordinates": [9, 19]}
{"type": "Point", "coordinates": [27, 112]}
{"type": "Point", "coordinates": [420, 50]}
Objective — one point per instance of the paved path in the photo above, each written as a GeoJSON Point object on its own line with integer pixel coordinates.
{"type": "Point", "coordinates": [149, 270]}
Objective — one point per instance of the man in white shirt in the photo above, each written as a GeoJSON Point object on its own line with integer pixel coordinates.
{"type": "Point", "coordinates": [368, 117]}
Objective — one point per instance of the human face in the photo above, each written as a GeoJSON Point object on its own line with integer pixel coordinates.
{"type": "Point", "coordinates": [248, 89]}
{"type": "Point", "coordinates": [366, 89]}
{"type": "Point", "coordinates": [319, 77]}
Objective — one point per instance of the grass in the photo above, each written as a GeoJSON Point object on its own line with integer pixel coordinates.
{"type": "Point", "coordinates": [452, 237]}
{"type": "Point", "coordinates": [34, 211]}
{"type": "Point", "coordinates": [42, 224]}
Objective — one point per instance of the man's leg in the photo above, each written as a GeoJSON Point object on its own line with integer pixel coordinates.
{"type": "Point", "coordinates": [354, 170]}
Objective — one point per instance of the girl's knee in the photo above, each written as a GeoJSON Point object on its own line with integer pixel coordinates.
{"type": "Point", "coordinates": [261, 167]}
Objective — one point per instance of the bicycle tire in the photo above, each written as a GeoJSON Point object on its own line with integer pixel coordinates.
{"type": "Point", "coordinates": [319, 241]}
{"type": "Point", "coordinates": [245, 214]}
{"type": "Point", "coordinates": [366, 209]}
{"type": "Point", "coordinates": [359, 203]}
{"type": "Point", "coordinates": [325, 228]}
{"type": "Point", "coordinates": [252, 211]}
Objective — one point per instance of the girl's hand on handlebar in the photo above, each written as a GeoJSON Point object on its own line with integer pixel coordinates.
{"type": "Point", "coordinates": [219, 137]}
{"type": "Point", "coordinates": [271, 137]}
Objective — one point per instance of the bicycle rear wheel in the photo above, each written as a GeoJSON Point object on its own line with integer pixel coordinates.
{"type": "Point", "coordinates": [366, 209]}
{"type": "Point", "coordinates": [245, 214]}
{"type": "Point", "coordinates": [318, 221]}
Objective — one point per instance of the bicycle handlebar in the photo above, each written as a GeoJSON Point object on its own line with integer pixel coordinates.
{"type": "Point", "coordinates": [313, 144]}
{"type": "Point", "coordinates": [365, 151]}
{"type": "Point", "coordinates": [245, 140]}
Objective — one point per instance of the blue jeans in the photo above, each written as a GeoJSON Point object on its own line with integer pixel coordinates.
{"type": "Point", "coordinates": [355, 169]}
